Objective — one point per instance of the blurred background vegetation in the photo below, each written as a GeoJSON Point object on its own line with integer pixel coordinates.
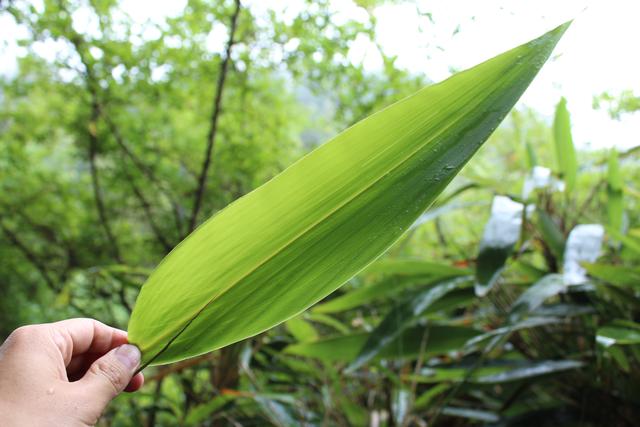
{"type": "Point", "coordinates": [483, 313]}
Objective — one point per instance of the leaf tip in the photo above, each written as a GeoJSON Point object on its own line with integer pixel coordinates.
{"type": "Point", "coordinates": [552, 37]}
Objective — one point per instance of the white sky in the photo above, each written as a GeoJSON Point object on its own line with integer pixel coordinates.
{"type": "Point", "coordinates": [598, 53]}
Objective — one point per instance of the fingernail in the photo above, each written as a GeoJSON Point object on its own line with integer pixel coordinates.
{"type": "Point", "coordinates": [129, 355]}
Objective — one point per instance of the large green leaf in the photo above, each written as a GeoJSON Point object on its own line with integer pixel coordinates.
{"type": "Point", "coordinates": [565, 151]}
{"type": "Point", "coordinates": [292, 241]}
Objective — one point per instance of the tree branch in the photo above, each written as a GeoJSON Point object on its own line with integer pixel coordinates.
{"type": "Point", "coordinates": [43, 230]}
{"type": "Point", "coordinates": [148, 213]}
{"type": "Point", "coordinates": [30, 256]}
{"type": "Point", "coordinates": [215, 114]}
{"type": "Point", "coordinates": [92, 132]}
{"type": "Point", "coordinates": [48, 233]}
{"type": "Point", "coordinates": [99, 112]}
{"type": "Point", "coordinates": [146, 171]}
{"type": "Point", "coordinates": [95, 179]}
{"type": "Point", "coordinates": [151, 418]}
{"type": "Point", "coordinates": [39, 266]}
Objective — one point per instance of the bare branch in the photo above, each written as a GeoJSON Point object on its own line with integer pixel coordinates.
{"type": "Point", "coordinates": [146, 171]}
{"type": "Point", "coordinates": [148, 212]}
{"type": "Point", "coordinates": [92, 133]}
{"type": "Point", "coordinates": [37, 264]}
{"type": "Point", "coordinates": [30, 256]}
{"type": "Point", "coordinates": [99, 112]}
{"type": "Point", "coordinates": [95, 179]}
{"type": "Point", "coordinates": [215, 115]}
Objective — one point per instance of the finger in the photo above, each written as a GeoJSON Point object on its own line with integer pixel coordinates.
{"type": "Point", "coordinates": [109, 376]}
{"type": "Point", "coordinates": [78, 336]}
{"type": "Point", "coordinates": [80, 364]}
{"type": "Point", "coordinates": [136, 383]}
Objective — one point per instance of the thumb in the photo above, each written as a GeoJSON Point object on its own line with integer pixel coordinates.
{"type": "Point", "coordinates": [109, 375]}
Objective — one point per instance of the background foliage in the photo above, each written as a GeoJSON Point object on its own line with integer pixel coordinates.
{"type": "Point", "coordinates": [134, 134]}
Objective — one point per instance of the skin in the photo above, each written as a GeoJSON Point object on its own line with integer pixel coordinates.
{"type": "Point", "coordinates": [64, 373]}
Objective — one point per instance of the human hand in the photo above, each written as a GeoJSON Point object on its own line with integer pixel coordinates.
{"type": "Point", "coordinates": [64, 373]}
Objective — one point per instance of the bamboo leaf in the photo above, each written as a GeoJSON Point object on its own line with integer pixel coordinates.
{"type": "Point", "coordinates": [531, 322]}
{"type": "Point", "coordinates": [426, 398]}
{"type": "Point", "coordinates": [501, 233]}
{"type": "Point", "coordinates": [384, 288]}
{"type": "Point", "coordinates": [411, 267]}
{"type": "Point", "coordinates": [551, 234]}
{"type": "Point", "coordinates": [628, 241]}
{"type": "Point", "coordinates": [563, 311]}
{"type": "Point", "coordinates": [301, 330]}
{"type": "Point", "coordinates": [402, 316]}
{"type": "Point", "coordinates": [617, 354]}
{"type": "Point", "coordinates": [327, 320]}
{"type": "Point", "coordinates": [496, 372]}
{"type": "Point", "coordinates": [532, 159]}
{"type": "Point", "coordinates": [565, 151]}
{"type": "Point", "coordinates": [289, 243]}
{"type": "Point", "coordinates": [339, 348]}
{"type": "Point", "coordinates": [615, 274]}
{"type": "Point", "coordinates": [615, 184]}
{"type": "Point", "coordinates": [202, 412]}
{"type": "Point", "coordinates": [440, 339]}
{"type": "Point", "coordinates": [621, 332]}
{"type": "Point", "coordinates": [471, 414]}
{"type": "Point", "coordinates": [404, 274]}
{"type": "Point", "coordinates": [534, 369]}
{"type": "Point", "coordinates": [547, 287]}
